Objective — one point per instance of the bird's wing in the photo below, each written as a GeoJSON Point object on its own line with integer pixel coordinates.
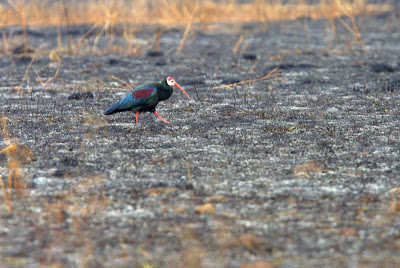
{"type": "Point", "coordinates": [139, 97]}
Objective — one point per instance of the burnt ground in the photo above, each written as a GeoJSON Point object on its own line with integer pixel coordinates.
{"type": "Point", "coordinates": [104, 191]}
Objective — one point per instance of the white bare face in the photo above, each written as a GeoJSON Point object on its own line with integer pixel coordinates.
{"type": "Point", "coordinates": [170, 81]}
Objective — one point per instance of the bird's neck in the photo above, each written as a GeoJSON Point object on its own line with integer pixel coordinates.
{"type": "Point", "coordinates": [165, 92]}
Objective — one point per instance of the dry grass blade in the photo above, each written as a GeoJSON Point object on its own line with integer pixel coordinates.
{"type": "Point", "coordinates": [250, 70]}
{"type": "Point", "coordinates": [4, 130]}
{"type": "Point", "coordinates": [236, 47]}
{"type": "Point", "coordinates": [185, 35]}
{"type": "Point", "coordinates": [6, 197]}
{"type": "Point", "coordinates": [20, 10]}
{"type": "Point", "coordinates": [351, 15]}
{"type": "Point", "coordinates": [192, 16]}
{"type": "Point", "coordinates": [270, 74]}
{"type": "Point", "coordinates": [51, 79]}
{"type": "Point", "coordinates": [245, 46]}
{"type": "Point", "coordinates": [188, 171]}
{"type": "Point", "coordinates": [5, 43]}
{"type": "Point", "coordinates": [7, 140]}
{"type": "Point", "coordinates": [26, 72]}
{"type": "Point", "coordinates": [54, 77]}
{"type": "Point", "coordinates": [11, 173]}
{"type": "Point", "coordinates": [120, 80]}
{"type": "Point", "coordinates": [13, 165]}
{"type": "Point", "coordinates": [90, 31]}
{"type": "Point", "coordinates": [37, 74]}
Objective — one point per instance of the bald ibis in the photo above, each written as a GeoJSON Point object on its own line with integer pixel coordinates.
{"type": "Point", "coordinates": [145, 98]}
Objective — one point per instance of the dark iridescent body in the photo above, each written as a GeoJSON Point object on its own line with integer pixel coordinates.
{"type": "Point", "coordinates": [145, 98]}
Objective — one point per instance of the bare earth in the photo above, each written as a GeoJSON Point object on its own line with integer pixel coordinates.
{"type": "Point", "coordinates": [299, 169]}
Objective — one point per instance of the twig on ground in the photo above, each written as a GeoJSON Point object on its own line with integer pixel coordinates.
{"type": "Point", "coordinates": [270, 74]}
{"type": "Point", "coordinates": [51, 79]}
{"type": "Point", "coordinates": [250, 70]}
{"type": "Point", "coordinates": [26, 72]}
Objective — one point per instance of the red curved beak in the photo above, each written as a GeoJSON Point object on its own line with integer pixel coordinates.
{"type": "Point", "coordinates": [178, 86]}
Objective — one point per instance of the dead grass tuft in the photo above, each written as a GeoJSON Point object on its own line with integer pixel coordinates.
{"type": "Point", "coordinates": [16, 154]}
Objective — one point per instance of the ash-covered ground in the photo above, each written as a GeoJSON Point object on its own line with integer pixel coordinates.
{"type": "Point", "coordinates": [298, 169]}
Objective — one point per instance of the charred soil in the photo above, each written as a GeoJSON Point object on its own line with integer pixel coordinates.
{"type": "Point", "coordinates": [297, 169]}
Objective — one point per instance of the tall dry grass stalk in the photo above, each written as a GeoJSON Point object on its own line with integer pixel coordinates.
{"type": "Point", "coordinates": [122, 17]}
{"type": "Point", "coordinates": [351, 11]}
{"type": "Point", "coordinates": [171, 12]}
{"type": "Point", "coordinates": [7, 198]}
{"type": "Point", "coordinates": [20, 10]}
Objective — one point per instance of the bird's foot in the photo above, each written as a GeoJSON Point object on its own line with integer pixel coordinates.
{"type": "Point", "coordinates": [156, 114]}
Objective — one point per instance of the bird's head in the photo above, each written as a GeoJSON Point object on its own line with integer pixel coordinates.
{"type": "Point", "coordinates": [171, 82]}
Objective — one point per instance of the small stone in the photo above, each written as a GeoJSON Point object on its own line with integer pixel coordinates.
{"type": "Point", "coordinates": [382, 67]}
{"type": "Point", "coordinates": [61, 173]}
{"type": "Point", "coordinates": [155, 53]}
{"type": "Point", "coordinates": [302, 175]}
{"type": "Point", "coordinates": [249, 56]}
{"type": "Point", "coordinates": [157, 159]}
{"type": "Point", "coordinates": [349, 232]}
{"type": "Point", "coordinates": [86, 71]}
{"type": "Point", "coordinates": [180, 209]}
{"type": "Point", "coordinates": [395, 206]}
{"type": "Point", "coordinates": [308, 167]}
{"type": "Point", "coordinates": [251, 241]}
{"type": "Point", "coordinates": [113, 61]}
{"type": "Point", "coordinates": [332, 110]}
{"type": "Point", "coordinates": [160, 62]}
{"type": "Point", "coordinates": [276, 58]}
{"type": "Point", "coordinates": [69, 161]}
{"type": "Point", "coordinates": [397, 244]}
{"type": "Point", "coordinates": [257, 264]}
{"type": "Point", "coordinates": [160, 190]}
{"type": "Point", "coordinates": [23, 59]}
{"type": "Point", "coordinates": [205, 209]}
{"type": "Point", "coordinates": [216, 199]}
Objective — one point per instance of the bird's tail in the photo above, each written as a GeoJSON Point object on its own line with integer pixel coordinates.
{"type": "Point", "coordinates": [113, 109]}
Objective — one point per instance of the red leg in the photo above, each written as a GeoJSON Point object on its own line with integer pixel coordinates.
{"type": "Point", "coordinates": [156, 114]}
{"type": "Point", "coordinates": [137, 117]}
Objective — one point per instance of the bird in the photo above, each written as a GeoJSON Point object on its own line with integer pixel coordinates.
{"type": "Point", "coordinates": [145, 98]}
